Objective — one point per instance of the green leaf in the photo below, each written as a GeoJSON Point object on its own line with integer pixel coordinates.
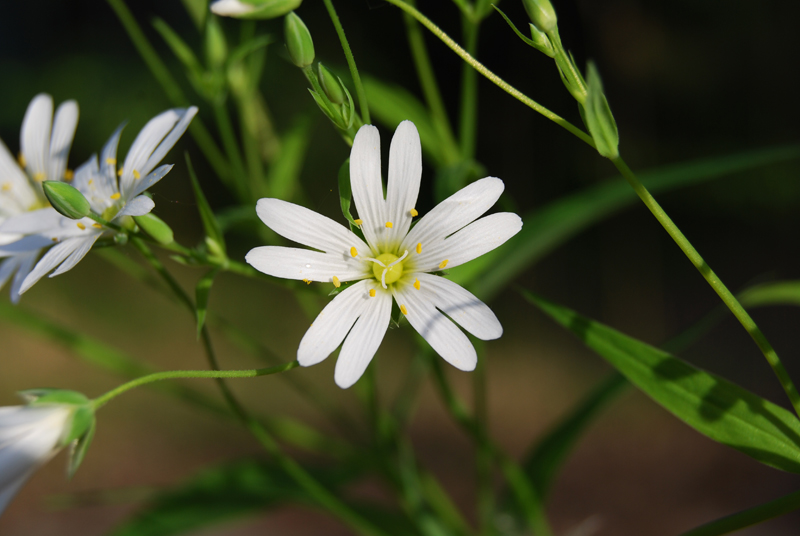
{"type": "Point", "coordinates": [197, 10]}
{"type": "Point", "coordinates": [206, 214]}
{"type": "Point", "coordinates": [749, 517]}
{"type": "Point", "coordinates": [599, 119]}
{"type": "Point", "coordinates": [708, 403]}
{"type": "Point", "coordinates": [79, 447]}
{"type": "Point", "coordinates": [46, 396]}
{"type": "Point", "coordinates": [284, 174]}
{"type": "Point", "coordinates": [194, 69]}
{"type": "Point", "coordinates": [774, 293]}
{"type": "Point", "coordinates": [550, 226]}
{"type": "Point", "coordinates": [202, 292]}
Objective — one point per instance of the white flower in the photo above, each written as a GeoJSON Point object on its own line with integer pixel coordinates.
{"type": "Point", "coordinates": [29, 437]}
{"type": "Point", "coordinates": [394, 261]}
{"type": "Point", "coordinates": [232, 8]}
{"type": "Point", "coordinates": [44, 146]}
{"type": "Point", "coordinates": [112, 192]}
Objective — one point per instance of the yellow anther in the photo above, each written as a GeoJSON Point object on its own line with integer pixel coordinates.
{"type": "Point", "coordinates": [119, 173]}
{"type": "Point", "coordinates": [39, 177]}
{"type": "Point", "coordinates": [358, 222]}
{"type": "Point", "coordinates": [336, 282]}
{"type": "Point", "coordinates": [413, 213]}
{"type": "Point", "coordinates": [442, 264]}
{"type": "Point", "coordinates": [91, 181]}
{"type": "Point", "coordinates": [115, 196]}
{"type": "Point", "coordinates": [372, 293]}
{"type": "Point", "coordinates": [81, 226]}
{"type": "Point", "coordinates": [403, 309]}
{"type": "Point", "coordinates": [388, 225]}
{"type": "Point", "coordinates": [136, 175]}
{"type": "Point", "coordinates": [353, 252]}
{"type": "Point", "coordinates": [419, 248]}
{"type": "Point", "coordinates": [21, 160]}
{"type": "Point", "coordinates": [6, 186]}
{"type": "Point", "coordinates": [416, 284]}
{"type": "Point", "coordinates": [69, 175]}
{"type": "Point", "coordinates": [111, 161]}
{"type": "Point", "coordinates": [54, 239]}
{"type": "Point", "coordinates": [97, 226]}
{"type": "Point", "coordinates": [306, 281]}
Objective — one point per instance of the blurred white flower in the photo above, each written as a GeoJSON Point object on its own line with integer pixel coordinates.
{"type": "Point", "coordinates": [112, 192]}
{"type": "Point", "coordinates": [29, 437]}
{"type": "Point", "coordinates": [231, 8]}
{"type": "Point", "coordinates": [394, 261]}
{"type": "Point", "coordinates": [44, 146]}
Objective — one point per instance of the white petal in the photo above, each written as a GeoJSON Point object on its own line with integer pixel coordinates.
{"type": "Point", "coordinates": [137, 206]}
{"type": "Point", "coordinates": [405, 171]}
{"type": "Point", "coordinates": [295, 263]}
{"type": "Point", "coordinates": [44, 220]}
{"type": "Point", "coordinates": [26, 262]}
{"type": "Point", "coordinates": [458, 210]}
{"type": "Point", "coordinates": [365, 181]}
{"type": "Point", "coordinates": [16, 193]}
{"type": "Point", "coordinates": [229, 8]}
{"type": "Point", "coordinates": [462, 306]}
{"type": "Point", "coordinates": [97, 182]}
{"type": "Point", "coordinates": [470, 242]}
{"type": "Point", "coordinates": [52, 259]}
{"type": "Point", "coordinates": [108, 166]}
{"type": "Point", "coordinates": [140, 185]}
{"type": "Point", "coordinates": [364, 339]}
{"type": "Point", "coordinates": [64, 124]}
{"type": "Point", "coordinates": [35, 136]}
{"type": "Point", "coordinates": [440, 332]}
{"type": "Point", "coordinates": [7, 268]}
{"type": "Point", "coordinates": [186, 115]}
{"type": "Point", "coordinates": [78, 253]}
{"type": "Point", "coordinates": [309, 228]}
{"type": "Point", "coordinates": [25, 244]}
{"type": "Point", "coordinates": [10, 489]}
{"type": "Point", "coordinates": [332, 324]}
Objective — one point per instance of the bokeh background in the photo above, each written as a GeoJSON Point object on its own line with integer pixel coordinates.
{"type": "Point", "coordinates": [685, 79]}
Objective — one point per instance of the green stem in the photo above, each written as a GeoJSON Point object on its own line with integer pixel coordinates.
{"type": "Point", "coordinates": [749, 517]}
{"type": "Point", "coordinates": [101, 401]}
{"type": "Point", "coordinates": [502, 84]}
{"type": "Point", "coordinates": [469, 92]}
{"type": "Point", "coordinates": [719, 287]}
{"type": "Point", "coordinates": [351, 62]}
{"type": "Point", "coordinates": [232, 148]}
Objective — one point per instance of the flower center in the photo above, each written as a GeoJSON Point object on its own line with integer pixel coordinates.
{"type": "Point", "coordinates": [388, 263]}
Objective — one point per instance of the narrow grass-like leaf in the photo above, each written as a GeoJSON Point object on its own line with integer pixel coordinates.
{"type": "Point", "coordinates": [708, 403]}
{"type": "Point", "coordinates": [773, 293]}
{"type": "Point", "coordinates": [210, 224]}
{"type": "Point", "coordinates": [284, 174]}
{"type": "Point", "coordinates": [79, 448]}
{"type": "Point", "coordinates": [202, 293]}
{"type": "Point", "coordinates": [550, 226]}
{"type": "Point", "coordinates": [751, 516]}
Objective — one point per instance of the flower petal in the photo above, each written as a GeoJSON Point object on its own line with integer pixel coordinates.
{"type": "Point", "coordinates": [138, 206]}
{"type": "Point", "coordinates": [26, 262]}
{"type": "Point", "coordinates": [55, 257]}
{"type": "Point", "coordinates": [35, 136]}
{"type": "Point", "coordinates": [405, 171]}
{"type": "Point", "coordinates": [470, 242]}
{"type": "Point", "coordinates": [150, 179]}
{"type": "Point", "coordinates": [332, 324]}
{"type": "Point", "coordinates": [24, 244]}
{"type": "Point", "coordinates": [64, 124]}
{"type": "Point", "coordinates": [458, 210]}
{"type": "Point", "coordinates": [365, 181]}
{"type": "Point", "coordinates": [16, 194]}
{"type": "Point", "coordinates": [300, 264]}
{"type": "Point", "coordinates": [309, 228]}
{"type": "Point", "coordinates": [230, 8]}
{"type": "Point", "coordinates": [364, 339]}
{"type": "Point", "coordinates": [44, 220]}
{"type": "Point", "coordinates": [78, 253]}
{"type": "Point", "coordinates": [440, 332]}
{"type": "Point", "coordinates": [462, 306]}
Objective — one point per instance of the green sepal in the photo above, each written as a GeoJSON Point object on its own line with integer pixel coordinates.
{"type": "Point", "coordinates": [346, 194]}
{"type": "Point", "coordinates": [269, 9]}
{"type": "Point", "coordinates": [66, 199]}
{"type": "Point", "coordinates": [79, 447]}
{"type": "Point", "coordinates": [541, 13]}
{"type": "Point", "coordinates": [48, 397]}
{"type": "Point", "coordinates": [540, 40]}
{"type": "Point", "coordinates": [82, 419]}
{"type": "Point", "coordinates": [330, 114]}
{"type": "Point", "coordinates": [156, 228]}
{"type": "Point", "coordinates": [298, 40]}
{"type": "Point", "coordinates": [332, 86]}
{"type": "Point", "coordinates": [210, 224]}
{"type": "Point", "coordinates": [202, 293]}
{"type": "Point", "coordinates": [599, 119]}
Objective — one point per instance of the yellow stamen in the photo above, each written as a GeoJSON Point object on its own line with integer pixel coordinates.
{"type": "Point", "coordinates": [81, 226]}
{"type": "Point", "coordinates": [403, 309]}
{"type": "Point", "coordinates": [413, 213]}
{"type": "Point", "coordinates": [91, 181]}
{"type": "Point", "coordinates": [388, 225]}
{"type": "Point", "coordinates": [54, 239]}
{"type": "Point", "coordinates": [353, 252]}
{"type": "Point", "coordinates": [372, 293]}
{"type": "Point", "coordinates": [419, 248]}
{"type": "Point", "coordinates": [69, 175]}
{"type": "Point", "coordinates": [111, 161]}
{"type": "Point", "coordinates": [416, 284]}
{"type": "Point", "coordinates": [119, 173]}
{"type": "Point", "coordinates": [336, 282]}
{"type": "Point", "coordinates": [97, 226]}
{"type": "Point", "coordinates": [136, 175]}
{"type": "Point", "coordinates": [442, 264]}
{"type": "Point", "coordinates": [115, 196]}
{"type": "Point", "coordinates": [6, 186]}
{"type": "Point", "coordinates": [358, 222]}
{"type": "Point", "coordinates": [306, 281]}
{"type": "Point", "coordinates": [21, 160]}
{"type": "Point", "coordinates": [39, 177]}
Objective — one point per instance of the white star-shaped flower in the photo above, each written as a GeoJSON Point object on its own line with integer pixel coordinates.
{"type": "Point", "coordinates": [44, 146]}
{"type": "Point", "coordinates": [112, 192]}
{"type": "Point", "coordinates": [395, 261]}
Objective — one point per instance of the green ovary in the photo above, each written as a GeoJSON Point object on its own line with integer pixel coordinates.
{"type": "Point", "coordinates": [393, 273]}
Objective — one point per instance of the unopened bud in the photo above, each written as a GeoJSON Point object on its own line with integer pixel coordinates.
{"type": "Point", "coordinates": [298, 41]}
{"type": "Point", "coordinates": [155, 227]}
{"type": "Point", "coordinates": [541, 13]}
{"type": "Point", "coordinates": [598, 116]}
{"type": "Point", "coordinates": [254, 9]}
{"type": "Point", "coordinates": [67, 200]}
{"type": "Point", "coordinates": [332, 87]}
{"type": "Point", "coordinates": [541, 41]}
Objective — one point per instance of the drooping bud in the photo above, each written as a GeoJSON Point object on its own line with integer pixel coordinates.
{"type": "Point", "coordinates": [67, 200]}
{"type": "Point", "coordinates": [298, 41]}
{"type": "Point", "coordinates": [254, 9]}
{"type": "Point", "coordinates": [332, 87]}
{"type": "Point", "coordinates": [155, 227]}
{"type": "Point", "coordinates": [542, 14]}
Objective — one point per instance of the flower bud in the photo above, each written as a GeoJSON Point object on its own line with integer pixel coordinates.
{"type": "Point", "coordinates": [254, 9]}
{"type": "Point", "coordinates": [332, 87]}
{"type": "Point", "coordinates": [298, 41]}
{"type": "Point", "coordinates": [541, 13]}
{"type": "Point", "coordinates": [155, 227]}
{"type": "Point", "coordinates": [541, 41]}
{"type": "Point", "coordinates": [67, 200]}
{"type": "Point", "coordinates": [598, 117]}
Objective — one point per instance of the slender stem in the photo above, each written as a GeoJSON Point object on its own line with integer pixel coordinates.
{"type": "Point", "coordinates": [478, 66]}
{"type": "Point", "coordinates": [483, 456]}
{"type": "Point", "coordinates": [467, 131]}
{"type": "Point", "coordinates": [351, 62]}
{"type": "Point", "coordinates": [177, 374]}
{"type": "Point", "coordinates": [232, 149]}
{"type": "Point", "coordinates": [719, 287]}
